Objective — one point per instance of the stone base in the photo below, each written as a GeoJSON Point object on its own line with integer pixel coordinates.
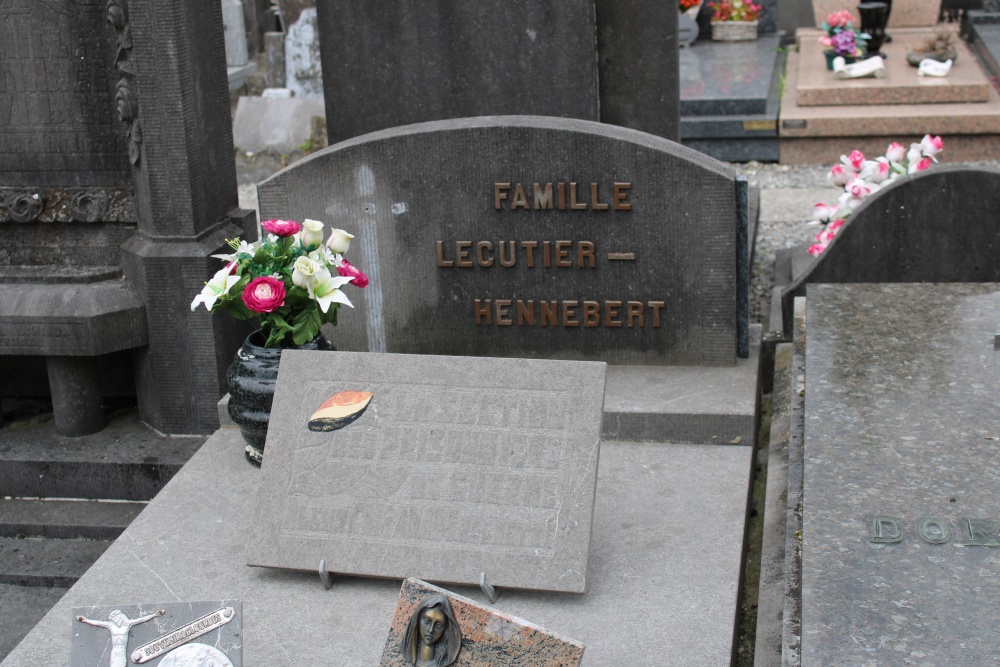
{"type": "Point", "coordinates": [730, 98]}
{"type": "Point", "coordinates": [821, 134]}
{"type": "Point", "coordinates": [818, 86]}
{"type": "Point", "coordinates": [663, 577]}
{"type": "Point", "coordinates": [691, 404]}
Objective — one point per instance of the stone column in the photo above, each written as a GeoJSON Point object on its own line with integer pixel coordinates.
{"type": "Point", "coordinates": [639, 65]}
{"type": "Point", "coordinates": [173, 99]}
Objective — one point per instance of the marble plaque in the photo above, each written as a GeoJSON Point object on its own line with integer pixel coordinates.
{"type": "Point", "coordinates": [900, 509]}
{"type": "Point", "coordinates": [172, 634]}
{"type": "Point", "coordinates": [434, 467]}
{"type": "Point", "coordinates": [489, 637]}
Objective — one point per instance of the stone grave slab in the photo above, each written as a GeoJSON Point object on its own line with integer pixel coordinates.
{"type": "Point", "coordinates": [529, 237]}
{"type": "Point", "coordinates": [460, 59]}
{"type": "Point", "coordinates": [172, 634]}
{"type": "Point", "coordinates": [663, 575]}
{"type": "Point", "coordinates": [488, 637]}
{"type": "Point", "coordinates": [984, 38]}
{"type": "Point", "coordinates": [456, 466]}
{"type": "Point", "coordinates": [818, 86]}
{"type": "Point", "coordinates": [919, 13]}
{"type": "Point", "coordinates": [900, 510]}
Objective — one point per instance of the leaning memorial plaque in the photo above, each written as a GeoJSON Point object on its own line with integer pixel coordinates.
{"type": "Point", "coordinates": [173, 634]}
{"type": "Point", "coordinates": [441, 468]}
{"type": "Point", "coordinates": [431, 622]}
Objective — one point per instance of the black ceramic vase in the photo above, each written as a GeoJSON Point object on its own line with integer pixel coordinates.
{"type": "Point", "coordinates": [874, 16]}
{"type": "Point", "coordinates": [251, 378]}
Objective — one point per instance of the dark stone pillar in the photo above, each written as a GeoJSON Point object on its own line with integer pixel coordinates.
{"type": "Point", "coordinates": [638, 65]}
{"type": "Point", "coordinates": [75, 384]}
{"type": "Point", "coordinates": [172, 69]}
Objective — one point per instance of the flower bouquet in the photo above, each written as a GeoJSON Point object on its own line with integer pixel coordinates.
{"type": "Point", "coordinates": [690, 7]}
{"type": "Point", "coordinates": [861, 178]}
{"type": "Point", "coordinates": [841, 39]}
{"type": "Point", "coordinates": [291, 282]}
{"type": "Point", "coordinates": [734, 20]}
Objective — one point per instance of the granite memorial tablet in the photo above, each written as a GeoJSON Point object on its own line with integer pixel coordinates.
{"type": "Point", "coordinates": [522, 236]}
{"type": "Point", "coordinates": [436, 627]}
{"type": "Point", "coordinates": [441, 468]}
{"type": "Point", "coordinates": [174, 634]}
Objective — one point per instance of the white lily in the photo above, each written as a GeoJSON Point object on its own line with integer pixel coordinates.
{"type": "Point", "coordinates": [216, 288]}
{"type": "Point", "coordinates": [244, 248]}
{"type": "Point", "coordinates": [327, 291]}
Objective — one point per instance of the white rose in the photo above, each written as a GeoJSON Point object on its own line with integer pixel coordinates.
{"type": "Point", "coordinates": [304, 272]}
{"type": "Point", "coordinates": [312, 234]}
{"type": "Point", "coordinates": [339, 241]}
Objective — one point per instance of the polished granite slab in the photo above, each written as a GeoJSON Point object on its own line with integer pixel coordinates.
{"type": "Point", "coordinates": [900, 505]}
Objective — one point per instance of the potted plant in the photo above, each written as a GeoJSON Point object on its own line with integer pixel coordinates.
{"type": "Point", "coordinates": [290, 282]}
{"type": "Point", "coordinates": [734, 20]}
{"type": "Point", "coordinates": [841, 39]}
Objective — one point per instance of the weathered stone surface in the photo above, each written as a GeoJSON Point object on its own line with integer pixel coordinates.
{"type": "Point", "coordinates": [30, 562]}
{"type": "Point", "coordinates": [458, 466]}
{"type": "Point", "coordinates": [658, 585]}
{"type": "Point", "coordinates": [58, 121]}
{"type": "Point", "coordinates": [274, 48]}
{"type": "Point", "coordinates": [30, 604]}
{"type": "Point", "coordinates": [900, 431]}
{"type": "Point", "coordinates": [148, 639]}
{"type": "Point", "coordinates": [275, 124]}
{"type": "Point", "coordinates": [637, 50]}
{"type": "Point", "coordinates": [303, 73]}
{"type": "Point", "coordinates": [936, 226]}
{"type": "Point", "coordinates": [489, 637]}
{"type": "Point", "coordinates": [65, 519]}
{"type": "Point", "coordinates": [457, 59]}
{"type": "Point", "coordinates": [409, 191]}
{"type": "Point", "coordinates": [233, 23]}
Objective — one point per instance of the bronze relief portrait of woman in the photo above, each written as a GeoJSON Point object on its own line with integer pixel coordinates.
{"type": "Point", "coordinates": [432, 638]}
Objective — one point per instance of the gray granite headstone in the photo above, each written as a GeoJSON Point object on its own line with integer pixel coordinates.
{"type": "Point", "coordinates": [456, 467]}
{"type": "Point", "coordinates": [172, 634]}
{"type": "Point", "coordinates": [531, 237]}
{"type": "Point", "coordinates": [410, 62]}
{"type": "Point", "coordinates": [935, 226]}
{"type": "Point", "coordinates": [900, 507]}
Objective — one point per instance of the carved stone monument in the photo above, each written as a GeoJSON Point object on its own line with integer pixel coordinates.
{"type": "Point", "coordinates": [486, 636]}
{"type": "Point", "coordinates": [104, 144]}
{"type": "Point", "coordinates": [444, 468]}
{"type": "Point", "coordinates": [533, 237]}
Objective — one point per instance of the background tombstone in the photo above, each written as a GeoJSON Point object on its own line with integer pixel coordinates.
{"type": "Point", "coordinates": [647, 278]}
{"type": "Point", "coordinates": [937, 226]}
{"type": "Point", "coordinates": [463, 59]}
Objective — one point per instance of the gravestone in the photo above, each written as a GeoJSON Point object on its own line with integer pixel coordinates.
{"type": "Point", "coordinates": [936, 226]}
{"type": "Point", "coordinates": [303, 73]}
{"type": "Point", "coordinates": [532, 237]}
{"type": "Point", "coordinates": [472, 59]}
{"type": "Point", "coordinates": [452, 467]}
{"type": "Point", "coordinates": [899, 507]}
{"type": "Point", "coordinates": [105, 145]}
{"type": "Point", "coordinates": [487, 635]}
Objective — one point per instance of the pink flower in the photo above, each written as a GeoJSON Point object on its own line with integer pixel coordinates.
{"type": "Point", "coordinates": [825, 41]}
{"type": "Point", "coordinates": [895, 152]}
{"type": "Point", "coordinates": [855, 160]}
{"type": "Point", "coordinates": [931, 146]}
{"type": "Point", "coordinates": [816, 249]}
{"type": "Point", "coordinates": [281, 227]}
{"type": "Point", "coordinates": [881, 170]}
{"type": "Point", "coordinates": [922, 165]}
{"type": "Point", "coordinates": [825, 237]}
{"type": "Point", "coordinates": [839, 19]}
{"type": "Point", "coordinates": [264, 294]}
{"type": "Point", "coordinates": [835, 225]}
{"type": "Point", "coordinates": [348, 270]}
{"type": "Point", "coordinates": [823, 212]}
{"type": "Point", "coordinates": [859, 189]}
{"type": "Point", "coordinates": [839, 176]}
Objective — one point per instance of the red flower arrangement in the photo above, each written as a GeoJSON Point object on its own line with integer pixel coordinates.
{"type": "Point", "coordinates": [735, 10]}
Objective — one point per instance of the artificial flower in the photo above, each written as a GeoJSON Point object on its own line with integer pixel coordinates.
{"type": "Point", "coordinates": [281, 227]}
{"type": "Point", "coordinates": [304, 271]}
{"type": "Point", "coordinates": [264, 294]}
{"type": "Point", "coordinates": [311, 236]}
{"type": "Point", "coordinates": [339, 241]}
{"type": "Point", "coordinates": [895, 152]}
{"type": "Point", "coordinates": [931, 146]}
{"type": "Point", "coordinates": [357, 276]}
{"type": "Point", "coordinates": [839, 175]}
{"type": "Point", "coordinates": [216, 288]}
{"type": "Point", "coordinates": [328, 291]}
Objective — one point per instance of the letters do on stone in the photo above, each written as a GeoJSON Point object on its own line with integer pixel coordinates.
{"type": "Point", "coordinates": [529, 237]}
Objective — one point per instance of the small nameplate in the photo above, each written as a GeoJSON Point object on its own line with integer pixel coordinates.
{"type": "Point", "coordinates": [171, 640]}
{"type": "Point", "coordinates": [794, 124]}
{"type": "Point", "coordinates": [760, 125]}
